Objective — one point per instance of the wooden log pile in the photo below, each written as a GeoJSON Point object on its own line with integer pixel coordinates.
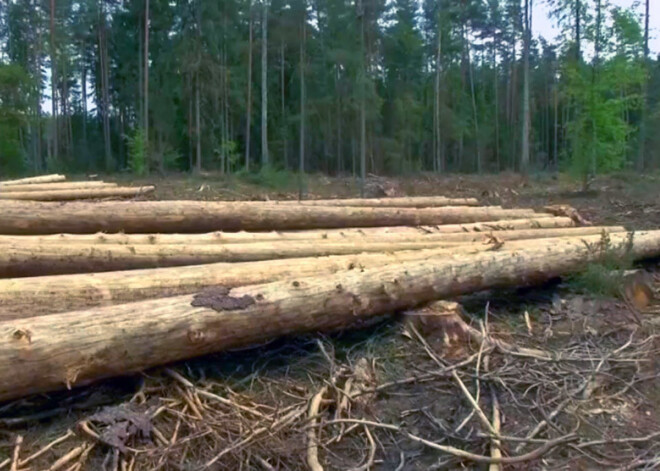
{"type": "Point", "coordinates": [56, 188]}
{"type": "Point", "coordinates": [117, 287]}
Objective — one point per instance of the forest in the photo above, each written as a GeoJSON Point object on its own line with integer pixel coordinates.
{"type": "Point", "coordinates": [334, 86]}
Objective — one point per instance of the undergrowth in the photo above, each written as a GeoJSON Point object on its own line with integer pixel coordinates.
{"type": "Point", "coordinates": [604, 277]}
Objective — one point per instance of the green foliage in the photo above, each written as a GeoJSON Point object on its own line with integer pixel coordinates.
{"type": "Point", "coordinates": [137, 152]}
{"type": "Point", "coordinates": [14, 92]}
{"type": "Point", "coordinates": [271, 177]}
{"type": "Point", "coordinates": [604, 277]}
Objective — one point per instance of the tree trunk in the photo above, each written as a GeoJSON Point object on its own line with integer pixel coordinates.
{"type": "Point", "coordinates": [438, 157]}
{"type": "Point", "coordinates": [641, 151]}
{"type": "Point", "coordinates": [363, 105]}
{"type": "Point", "coordinates": [51, 294]}
{"type": "Point", "coordinates": [198, 129]}
{"type": "Point", "coordinates": [23, 217]}
{"type": "Point", "coordinates": [264, 84]}
{"type": "Point", "coordinates": [248, 111]}
{"type": "Point", "coordinates": [54, 186]}
{"type": "Point", "coordinates": [146, 85]}
{"type": "Point", "coordinates": [26, 260]}
{"type": "Point", "coordinates": [53, 82]}
{"type": "Point", "coordinates": [30, 180]}
{"type": "Point", "coordinates": [301, 161]}
{"type": "Point", "coordinates": [103, 57]}
{"type": "Point", "coordinates": [366, 235]}
{"type": "Point", "coordinates": [77, 194]}
{"type": "Point", "coordinates": [40, 354]}
{"type": "Point", "coordinates": [474, 110]}
{"type": "Point", "coordinates": [404, 202]}
{"type": "Point", "coordinates": [524, 158]}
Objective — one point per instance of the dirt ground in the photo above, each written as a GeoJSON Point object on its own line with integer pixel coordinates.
{"type": "Point", "coordinates": [574, 376]}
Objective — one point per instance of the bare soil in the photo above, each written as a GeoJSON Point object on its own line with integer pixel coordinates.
{"type": "Point", "coordinates": [598, 393]}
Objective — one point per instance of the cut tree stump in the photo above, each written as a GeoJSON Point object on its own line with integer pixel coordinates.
{"type": "Point", "coordinates": [42, 179]}
{"type": "Point", "coordinates": [27, 217]}
{"type": "Point", "coordinates": [77, 194]}
{"type": "Point", "coordinates": [56, 186]}
{"type": "Point", "coordinates": [40, 354]}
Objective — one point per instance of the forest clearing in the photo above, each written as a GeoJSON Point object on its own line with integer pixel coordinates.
{"type": "Point", "coordinates": [488, 334]}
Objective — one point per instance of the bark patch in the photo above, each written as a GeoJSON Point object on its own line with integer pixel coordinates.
{"type": "Point", "coordinates": [218, 299]}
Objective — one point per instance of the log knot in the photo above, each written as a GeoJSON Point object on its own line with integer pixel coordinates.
{"type": "Point", "coordinates": [22, 334]}
{"type": "Point", "coordinates": [218, 299]}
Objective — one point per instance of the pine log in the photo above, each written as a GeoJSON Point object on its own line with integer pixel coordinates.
{"type": "Point", "coordinates": [40, 354]}
{"type": "Point", "coordinates": [362, 236]}
{"type": "Point", "coordinates": [56, 186]}
{"type": "Point", "coordinates": [78, 194]}
{"type": "Point", "coordinates": [42, 179]}
{"type": "Point", "coordinates": [22, 260]}
{"type": "Point", "coordinates": [404, 202]}
{"type": "Point", "coordinates": [27, 217]}
{"type": "Point", "coordinates": [51, 294]}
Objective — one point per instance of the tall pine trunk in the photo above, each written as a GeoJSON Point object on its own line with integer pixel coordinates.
{"type": "Point", "coordinates": [645, 95]}
{"type": "Point", "coordinates": [264, 84]}
{"type": "Point", "coordinates": [301, 168]}
{"type": "Point", "coordinates": [524, 157]}
{"type": "Point", "coordinates": [146, 84]}
{"type": "Point", "coordinates": [53, 84]}
{"type": "Point", "coordinates": [248, 112]}
{"type": "Point", "coordinates": [438, 156]}
{"type": "Point", "coordinates": [363, 105]}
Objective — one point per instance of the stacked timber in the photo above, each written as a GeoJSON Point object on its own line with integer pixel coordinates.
{"type": "Point", "coordinates": [55, 188]}
{"type": "Point", "coordinates": [89, 290]}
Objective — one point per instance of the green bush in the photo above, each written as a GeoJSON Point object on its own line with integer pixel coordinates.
{"type": "Point", "coordinates": [137, 153]}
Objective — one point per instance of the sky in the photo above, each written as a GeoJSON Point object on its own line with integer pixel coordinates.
{"type": "Point", "coordinates": [544, 26]}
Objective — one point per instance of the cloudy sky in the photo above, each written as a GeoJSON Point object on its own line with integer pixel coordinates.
{"type": "Point", "coordinates": [545, 26]}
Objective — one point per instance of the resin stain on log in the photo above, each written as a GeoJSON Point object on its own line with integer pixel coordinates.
{"type": "Point", "coordinates": [219, 299]}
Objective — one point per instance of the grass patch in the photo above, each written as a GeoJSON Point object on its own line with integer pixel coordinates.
{"type": "Point", "coordinates": [271, 177]}
{"type": "Point", "coordinates": [605, 277]}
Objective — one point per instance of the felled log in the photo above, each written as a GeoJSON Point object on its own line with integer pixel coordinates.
{"type": "Point", "coordinates": [404, 202]}
{"type": "Point", "coordinates": [23, 217]}
{"type": "Point", "coordinates": [45, 353]}
{"type": "Point", "coordinates": [361, 236]}
{"type": "Point", "coordinates": [78, 194]}
{"type": "Point", "coordinates": [57, 293]}
{"type": "Point", "coordinates": [30, 180]}
{"type": "Point", "coordinates": [56, 186]}
{"type": "Point", "coordinates": [21, 260]}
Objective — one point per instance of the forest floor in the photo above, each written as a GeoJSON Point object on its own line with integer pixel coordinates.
{"type": "Point", "coordinates": [593, 393]}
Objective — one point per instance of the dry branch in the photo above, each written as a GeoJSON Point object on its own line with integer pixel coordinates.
{"type": "Point", "coordinates": [44, 353]}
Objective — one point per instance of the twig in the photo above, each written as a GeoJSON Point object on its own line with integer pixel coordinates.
{"type": "Point", "coordinates": [66, 459]}
{"type": "Point", "coordinates": [495, 443]}
{"type": "Point", "coordinates": [17, 452]}
{"type": "Point", "coordinates": [532, 455]}
{"type": "Point", "coordinates": [372, 452]}
{"type": "Point", "coordinates": [312, 439]}
{"type": "Point", "coordinates": [475, 406]}
{"type": "Point", "coordinates": [620, 440]}
{"type": "Point", "coordinates": [55, 442]}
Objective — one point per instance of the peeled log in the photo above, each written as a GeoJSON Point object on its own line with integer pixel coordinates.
{"type": "Point", "coordinates": [23, 217]}
{"type": "Point", "coordinates": [78, 194]}
{"type": "Point", "coordinates": [56, 186]}
{"type": "Point", "coordinates": [405, 202]}
{"type": "Point", "coordinates": [361, 236]}
{"type": "Point", "coordinates": [21, 260]}
{"type": "Point", "coordinates": [30, 180]}
{"type": "Point", "coordinates": [40, 354]}
{"type": "Point", "coordinates": [50, 294]}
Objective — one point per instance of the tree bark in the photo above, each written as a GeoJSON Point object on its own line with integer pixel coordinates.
{"type": "Point", "coordinates": [55, 186]}
{"type": "Point", "coordinates": [405, 202]}
{"type": "Point", "coordinates": [524, 159]}
{"type": "Point", "coordinates": [145, 92]}
{"type": "Point", "coordinates": [301, 158]}
{"type": "Point", "coordinates": [386, 235]}
{"type": "Point", "coordinates": [27, 217]}
{"type": "Point", "coordinates": [40, 179]}
{"type": "Point", "coordinates": [77, 194]}
{"type": "Point", "coordinates": [51, 294]}
{"type": "Point", "coordinates": [40, 354]}
{"type": "Point", "coordinates": [363, 105]}
{"type": "Point", "coordinates": [53, 82]}
{"type": "Point", "coordinates": [264, 84]}
{"type": "Point", "coordinates": [248, 111]}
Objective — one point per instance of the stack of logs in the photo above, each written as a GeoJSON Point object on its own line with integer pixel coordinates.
{"type": "Point", "coordinates": [115, 287]}
{"type": "Point", "coordinates": [56, 188]}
